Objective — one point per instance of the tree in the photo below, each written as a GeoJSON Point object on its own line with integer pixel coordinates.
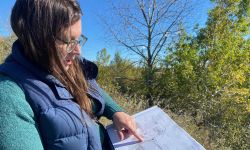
{"type": "Point", "coordinates": [144, 27]}
{"type": "Point", "coordinates": [125, 74]}
{"type": "Point", "coordinates": [226, 47]}
{"type": "Point", "coordinates": [182, 72]}
{"type": "Point", "coordinates": [213, 67]}
{"type": "Point", "coordinates": [103, 58]}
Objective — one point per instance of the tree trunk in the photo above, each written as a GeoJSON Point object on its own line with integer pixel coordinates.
{"type": "Point", "coordinates": [149, 83]}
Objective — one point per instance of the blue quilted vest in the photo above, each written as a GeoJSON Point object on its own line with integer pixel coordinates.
{"type": "Point", "coordinates": [61, 123]}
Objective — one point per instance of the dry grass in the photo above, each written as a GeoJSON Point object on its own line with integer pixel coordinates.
{"type": "Point", "coordinates": [133, 104]}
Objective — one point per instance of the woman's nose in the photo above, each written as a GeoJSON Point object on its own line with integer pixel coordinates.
{"type": "Point", "coordinates": [77, 50]}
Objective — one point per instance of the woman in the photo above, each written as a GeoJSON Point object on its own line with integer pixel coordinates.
{"type": "Point", "coordinates": [49, 98]}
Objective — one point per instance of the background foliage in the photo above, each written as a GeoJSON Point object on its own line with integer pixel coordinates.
{"type": "Point", "coordinates": [202, 82]}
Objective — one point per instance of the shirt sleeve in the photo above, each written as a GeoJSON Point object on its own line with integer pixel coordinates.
{"type": "Point", "coordinates": [111, 107]}
{"type": "Point", "coordinates": [18, 130]}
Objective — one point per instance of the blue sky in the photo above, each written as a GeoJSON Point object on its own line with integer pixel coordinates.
{"type": "Point", "coordinates": [92, 26]}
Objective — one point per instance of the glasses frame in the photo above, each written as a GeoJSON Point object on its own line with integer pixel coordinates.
{"type": "Point", "coordinates": [81, 41]}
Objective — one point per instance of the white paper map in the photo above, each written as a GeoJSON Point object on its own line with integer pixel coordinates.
{"type": "Point", "coordinates": [159, 131]}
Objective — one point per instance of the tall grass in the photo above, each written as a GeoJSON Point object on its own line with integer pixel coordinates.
{"type": "Point", "coordinates": [134, 103]}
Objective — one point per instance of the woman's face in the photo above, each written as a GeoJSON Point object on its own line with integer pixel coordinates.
{"type": "Point", "coordinates": [68, 45]}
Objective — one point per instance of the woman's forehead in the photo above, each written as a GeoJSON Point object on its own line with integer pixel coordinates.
{"type": "Point", "coordinates": [74, 31]}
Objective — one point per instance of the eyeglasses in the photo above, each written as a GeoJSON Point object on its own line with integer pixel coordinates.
{"type": "Point", "coordinates": [71, 45]}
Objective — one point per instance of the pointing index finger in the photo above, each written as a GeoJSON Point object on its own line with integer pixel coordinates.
{"type": "Point", "coordinates": [139, 137]}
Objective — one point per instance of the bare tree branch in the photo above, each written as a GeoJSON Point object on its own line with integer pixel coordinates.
{"type": "Point", "coordinates": [141, 6]}
{"type": "Point", "coordinates": [146, 28]}
{"type": "Point", "coordinates": [164, 37]}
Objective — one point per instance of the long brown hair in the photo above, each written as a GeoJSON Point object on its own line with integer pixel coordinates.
{"type": "Point", "coordinates": [37, 24]}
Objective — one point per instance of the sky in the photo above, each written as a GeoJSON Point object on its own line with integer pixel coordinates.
{"type": "Point", "coordinates": [92, 26]}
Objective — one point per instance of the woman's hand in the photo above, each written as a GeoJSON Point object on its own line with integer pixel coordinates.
{"type": "Point", "coordinates": [125, 125]}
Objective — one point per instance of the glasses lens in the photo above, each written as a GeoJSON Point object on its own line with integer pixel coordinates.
{"type": "Point", "coordinates": [72, 45]}
{"type": "Point", "coordinates": [83, 40]}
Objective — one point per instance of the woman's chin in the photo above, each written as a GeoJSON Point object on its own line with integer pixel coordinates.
{"type": "Point", "coordinates": [67, 67]}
